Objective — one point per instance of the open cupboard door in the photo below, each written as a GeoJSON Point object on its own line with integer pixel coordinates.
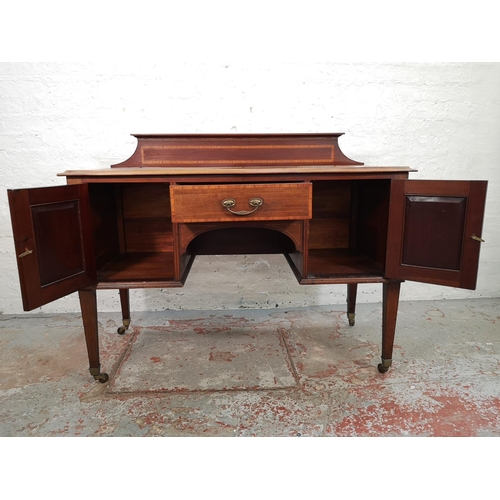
{"type": "Point", "coordinates": [435, 231]}
{"type": "Point", "coordinates": [53, 240]}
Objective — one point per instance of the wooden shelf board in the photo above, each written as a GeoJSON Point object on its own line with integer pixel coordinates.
{"type": "Point", "coordinates": [138, 267]}
{"type": "Point", "coordinates": [341, 262]}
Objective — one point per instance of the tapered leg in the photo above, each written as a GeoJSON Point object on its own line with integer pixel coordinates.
{"type": "Point", "coordinates": [352, 289]}
{"type": "Point", "coordinates": [88, 305]}
{"type": "Point", "coordinates": [389, 316]}
{"type": "Point", "coordinates": [125, 305]}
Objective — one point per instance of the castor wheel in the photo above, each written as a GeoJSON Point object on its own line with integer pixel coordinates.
{"type": "Point", "coordinates": [122, 329]}
{"type": "Point", "coordinates": [102, 377]}
{"type": "Point", "coordinates": [382, 368]}
{"type": "Point", "coordinates": [98, 375]}
{"type": "Point", "coordinates": [351, 318]}
{"type": "Point", "coordinates": [385, 365]}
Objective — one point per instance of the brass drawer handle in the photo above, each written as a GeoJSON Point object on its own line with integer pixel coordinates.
{"type": "Point", "coordinates": [477, 238]}
{"type": "Point", "coordinates": [253, 202]}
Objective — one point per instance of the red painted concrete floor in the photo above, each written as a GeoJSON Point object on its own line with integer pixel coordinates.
{"type": "Point", "coordinates": [297, 372]}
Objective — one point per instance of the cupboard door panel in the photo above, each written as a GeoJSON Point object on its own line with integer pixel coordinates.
{"type": "Point", "coordinates": [439, 219]}
{"type": "Point", "coordinates": [431, 224]}
{"type": "Point", "coordinates": [57, 259]}
{"type": "Point", "coordinates": [52, 236]}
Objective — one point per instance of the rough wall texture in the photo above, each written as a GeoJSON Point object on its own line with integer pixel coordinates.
{"type": "Point", "coordinates": [442, 119]}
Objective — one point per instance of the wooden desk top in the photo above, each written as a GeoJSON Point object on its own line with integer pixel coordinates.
{"type": "Point", "coordinates": [188, 171]}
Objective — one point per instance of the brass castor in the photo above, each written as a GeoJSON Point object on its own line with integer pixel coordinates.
{"type": "Point", "coordinates": [351, 318]}
{"type": "Point", "coordinates": [382, 368]}
{"type": "Point", "coordinates": [102, 377]}
{"type": "Point", "coordinates": [385, 365]}
{"type": "Point", "coordinates": [122, 329]}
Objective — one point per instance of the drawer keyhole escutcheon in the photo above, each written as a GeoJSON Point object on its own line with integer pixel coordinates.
{"type": "Point", "coordinates": [229, 203]}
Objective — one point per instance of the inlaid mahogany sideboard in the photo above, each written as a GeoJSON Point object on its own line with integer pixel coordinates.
{"type": "Point", "coordinates": [141, 223]}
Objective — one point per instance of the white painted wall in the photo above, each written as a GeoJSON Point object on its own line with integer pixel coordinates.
{"type": "Point", "coordinates": [442, 119]}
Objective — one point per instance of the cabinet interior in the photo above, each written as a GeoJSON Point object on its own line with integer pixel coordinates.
{"type": "Point", "coordinates": [348, 230]}
{"type": "Point", "coordinates": [134, 238]}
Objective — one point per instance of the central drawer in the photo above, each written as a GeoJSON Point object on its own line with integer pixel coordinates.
{"type": "Point", "coordinates": [241, 202]}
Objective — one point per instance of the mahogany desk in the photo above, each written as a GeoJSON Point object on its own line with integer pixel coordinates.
{"type": "Point", "coordinates": [141, 223]}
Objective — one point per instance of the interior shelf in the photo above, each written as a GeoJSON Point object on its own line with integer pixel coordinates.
{"type": "Point", "coordinates": [140, 267]}
{"type": "Point", "coordinates": [338, 262]}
